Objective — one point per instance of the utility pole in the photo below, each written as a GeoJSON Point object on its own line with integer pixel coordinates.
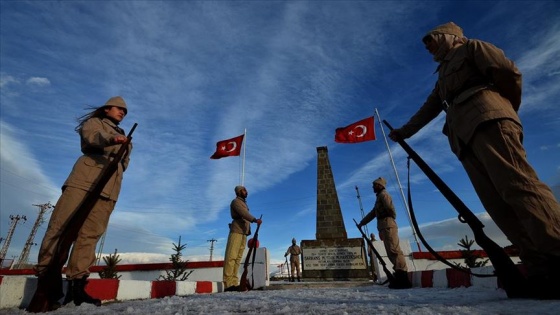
{"type": "Point", "coordinates": [11, 230]}
{"type": "Point", "coordinates": [211, 247]}
{"type": "Point", "coordinates": [23, 257]}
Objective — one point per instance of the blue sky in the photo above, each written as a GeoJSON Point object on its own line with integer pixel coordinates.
{"type": "Point", "coordinates": [290, 72]}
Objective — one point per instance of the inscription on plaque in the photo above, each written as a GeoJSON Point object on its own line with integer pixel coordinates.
{"type": "Point", "coordinates": [331, 258]}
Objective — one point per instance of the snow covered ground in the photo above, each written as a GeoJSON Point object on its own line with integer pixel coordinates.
{"type": "Point", "coordinates": [372, 299]}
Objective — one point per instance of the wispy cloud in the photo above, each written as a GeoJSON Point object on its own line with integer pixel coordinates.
{"type": "Point", "coordinates": [194, 73]}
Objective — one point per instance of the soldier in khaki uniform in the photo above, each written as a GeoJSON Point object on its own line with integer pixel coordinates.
{"type": "Point", "coordinates": [239, 228]}
{"type": "Point", "coordinates": [384, 211]}
{"type": "Point", "coordinates": [480, 90]}
{"type": "Point", "coordinates": [100, 137]}
{"type": "Point", "coordinates": [294, 251]}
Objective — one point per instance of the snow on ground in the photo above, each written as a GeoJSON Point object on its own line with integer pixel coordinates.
{"type": "Point", "coordinates": [354, 300]}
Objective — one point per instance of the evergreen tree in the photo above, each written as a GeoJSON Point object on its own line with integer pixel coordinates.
{"type": "Point", "coordinates": [179, 271]}
{"type": "Point", "coordinates": [110, 269]}
{"type": "Point", "coordinates": [469, 255]}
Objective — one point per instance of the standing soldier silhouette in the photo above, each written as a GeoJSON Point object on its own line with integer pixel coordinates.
{"type": "Point", "coordinates": [294, 251]}
{"type": "Point", "coordinates": [384, 211]}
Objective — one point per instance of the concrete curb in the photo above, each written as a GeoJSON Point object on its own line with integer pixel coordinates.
{"type": "Point", "coordinates": [17, 291]}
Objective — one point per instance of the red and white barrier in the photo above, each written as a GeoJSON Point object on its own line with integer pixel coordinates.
{"type": "Point", "coordinates": [17, 291]}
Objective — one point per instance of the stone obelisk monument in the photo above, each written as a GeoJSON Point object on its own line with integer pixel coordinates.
{"type": "Point", "coordinates": [332, 255]}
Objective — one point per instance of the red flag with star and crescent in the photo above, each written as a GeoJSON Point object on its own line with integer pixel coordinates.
{"type": "Point", "coordinates": [229, 147]}
{"type": "Point", "coordinates": [359, 131]}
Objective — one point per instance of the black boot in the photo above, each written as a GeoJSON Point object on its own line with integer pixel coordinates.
{"type": "Point", "coordinates": [69, 297]}
{"type": "Point", "coordinates": [400, 280]}
{"type": "Point", "coordinates": [80, 295]}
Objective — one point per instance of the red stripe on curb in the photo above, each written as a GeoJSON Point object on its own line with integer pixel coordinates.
{"type": "Point", "coordinates": [427, 279]}
{"type": "Point", "coordinates": [163, 288]}
{"type": "Point", "coordinates": [103, 289]}
{"type": "Point", "coordinates": [456, 278]}
{"type": "Point", "coordinates": [203, 287]}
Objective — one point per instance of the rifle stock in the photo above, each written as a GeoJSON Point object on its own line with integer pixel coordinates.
{"type": "Point", "coordinates": [49, 285]}
{"type": "Point", "coordinates": [244, 283]}
{"type": "Point", "coordinates": [510, 276]}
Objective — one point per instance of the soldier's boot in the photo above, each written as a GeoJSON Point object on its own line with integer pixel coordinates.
{"type": "Point", "coordinates": [80, 295]}
{"type": "Point", "coordinates": [298, 279]}
{"type": "Point", "coordinates": [69, 297]}
{"type": "Point", "coordinates": [400, 280]}
{"type": "Point", "coordinates": [545, 287]}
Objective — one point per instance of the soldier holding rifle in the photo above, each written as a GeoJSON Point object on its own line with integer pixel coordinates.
{"type": "Point", "coordinates": [384, 211]}
{"type": "Point", "coordinates": [480, 90]}
{"type": "Point", "coordinates": [101, 139]}
{"type": "Point", "coordinates": [239, 228]}
{"type": "Point", "coordinates": [294, 251]}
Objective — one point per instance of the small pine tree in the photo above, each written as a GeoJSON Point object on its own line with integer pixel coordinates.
{"type": "Point", "coordinates": [110, 269]}
{"type": "Point", "coordinates": [469, 255]}
{"type": "Point", "coordinates": [179, 271]}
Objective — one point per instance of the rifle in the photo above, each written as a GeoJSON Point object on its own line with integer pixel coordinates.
{"type": "Point", "coordinates": [390, 276]}
{"type": "Point", "coordinates": [513, 281]}
{"type": "Point", "coordinates": [49, 284]}
{"type": "Point", "coordinates": [288, 268]}
{"type": "Point", "coordinates": [244, 283]}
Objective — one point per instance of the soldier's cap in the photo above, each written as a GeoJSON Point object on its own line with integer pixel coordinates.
{"type": "Point", "coordinates": [447, 28]}
{"type": "Point", "coordinates": [116, 101]}
{"type": "Point", "coordinates": [237, 189]}
{"type": "Point", "coordinates": [293, 240]}
{"type": "Point", "coordinates": [381, 181]}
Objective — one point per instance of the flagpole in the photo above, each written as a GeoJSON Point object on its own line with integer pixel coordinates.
{"type": "Point", "coordinates": [398, 181]}
{"type": "Point", "coordinates": [243, 159]}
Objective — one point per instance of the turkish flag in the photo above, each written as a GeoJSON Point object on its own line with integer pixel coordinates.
{"type": "Point", "coordinates": [229, 147]}
{"type": "Point", "coordinates": [360, 131]}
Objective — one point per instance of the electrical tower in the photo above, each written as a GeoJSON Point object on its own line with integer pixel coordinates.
{"type": "Point", "coordinates": [211, 247]}
{"type": "Point", "coordinates": [11, 230]}
{"type": "Point", "coordinates": [100, 249]}
{"type": "Point", "coordinates": [362, 210]}
{"type": "Point", "coordinates": [23, 257]}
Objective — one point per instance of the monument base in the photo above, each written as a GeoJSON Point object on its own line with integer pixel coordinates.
{"type": "Point", "coordinates": [334, 259]}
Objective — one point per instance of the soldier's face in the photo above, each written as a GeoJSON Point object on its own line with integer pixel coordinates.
{"type": "Point", "coordinates": [243, 193]}
{"type": "Point", "coordinates": [116, 113]}
{"type": "Point", "coordinates": [431, 44]}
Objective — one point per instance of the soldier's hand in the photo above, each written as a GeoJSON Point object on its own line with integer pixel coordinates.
{"type": "Point", "coordinates": [396, 135]}
{"type": "Point", "coordinates": [258, 221]}
{"type": "Point", "coordinates": [119, 139]}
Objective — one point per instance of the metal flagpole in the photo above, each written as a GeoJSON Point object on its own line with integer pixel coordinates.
{"type": "Point", "coordinates": [398, 181]}
{"type": "Point", "coordinates": [243, 159]}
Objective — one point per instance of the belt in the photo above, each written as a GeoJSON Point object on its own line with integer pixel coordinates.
{"type": "Point", "coordinates": [100, 152]}
{"type": "Point", "coordinates": [466, 92]}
